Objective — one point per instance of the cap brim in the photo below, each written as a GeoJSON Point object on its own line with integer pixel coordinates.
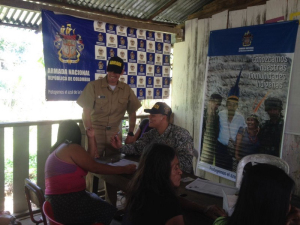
{"type": "Point", "coordinates": [147, 110]}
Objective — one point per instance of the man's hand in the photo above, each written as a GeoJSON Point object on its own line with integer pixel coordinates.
{"type": "Point", "coordinates": [293, 218]}
{"type": "Point", "coordinates": [129, 139]}
{"type": "Point", "coordinates": [214, 212]}
{"type": "Point", "coordinates": [115, 141]}
{"type": "Point", "coordinates": [129, 169]}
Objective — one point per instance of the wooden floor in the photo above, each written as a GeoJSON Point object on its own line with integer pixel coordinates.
{"type": "Point", "coordinates": [27, 220]}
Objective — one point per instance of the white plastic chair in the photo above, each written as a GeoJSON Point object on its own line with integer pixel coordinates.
{"type": "Point", "coordinates": [259, 158]}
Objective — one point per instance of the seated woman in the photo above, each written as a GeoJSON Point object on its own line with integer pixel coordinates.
{"type": "Point", "coordinates": [65, 169]}
{"type": "Point", "coordinates": [151, 197]}
{"type": "Point", "coordinates": [264, 198]}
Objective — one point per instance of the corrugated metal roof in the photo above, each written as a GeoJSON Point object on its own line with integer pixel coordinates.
{"type": "Point", "coordinates": [20, 18]}
{"type": "Point", "coordinates": [172, 11]}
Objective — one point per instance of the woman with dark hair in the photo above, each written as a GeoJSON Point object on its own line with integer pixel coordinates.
{"type": "Point", "coordinates": [264, 198]}
{"type": "Point", "coordinates": [65, 171]}
{"type": "Point", "coordinates": [151, 198]}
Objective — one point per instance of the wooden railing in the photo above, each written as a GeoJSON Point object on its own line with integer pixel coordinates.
{"type": "Point", "coordinates": [21, 157]}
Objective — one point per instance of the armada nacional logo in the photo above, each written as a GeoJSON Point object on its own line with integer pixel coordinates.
{"type": "Point", "coordinates": [69, 45]}
{"type": "Point", "coordinates": [247, 38]}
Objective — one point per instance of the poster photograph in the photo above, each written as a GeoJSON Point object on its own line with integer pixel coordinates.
{"type": "Point", "coordinates": [246, 93]}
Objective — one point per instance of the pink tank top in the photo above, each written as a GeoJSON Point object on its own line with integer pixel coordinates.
{"type": "Point", "coordinates": [62, 177]}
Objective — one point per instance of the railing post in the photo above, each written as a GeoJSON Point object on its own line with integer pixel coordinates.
{"type": "Point", "coordinates": [2, 175]}
{"type": "Point", "coordinates": [20, 166]}
{"type": "Point", "coordinates": [43, 148]}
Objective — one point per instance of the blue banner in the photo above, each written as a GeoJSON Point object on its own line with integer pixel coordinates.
{"type": "Point", "coordinates": [246, 93]}
{"type": "Point", "coordinates": [76, 51]}
{"type": "Point", "coordinates": [259, 39]}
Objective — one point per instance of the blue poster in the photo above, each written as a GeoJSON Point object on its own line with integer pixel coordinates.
{"type": "Point", "coordinates": [246, 93]}
{"type": "Point", "coordinates": [76, 51]}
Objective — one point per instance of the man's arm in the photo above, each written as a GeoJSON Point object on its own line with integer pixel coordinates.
{"type": "Point", "coordinates": [132, 119]}
{"type": "Point", "coordinates": [185, 150]}
{"type": "Point", "coordinates": [135, 148]}
{"type": "Point", "coordinates": [211, 211]}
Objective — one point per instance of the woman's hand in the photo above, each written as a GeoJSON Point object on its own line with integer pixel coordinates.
{"type": "Point", "coordinates": [293, 218]}
{"type": "Point", "coordinates": [214, 212]}
{"type": "Point", "coordinates": [129, 169]}
{"type": "Point", "coordinates": [90, 132]}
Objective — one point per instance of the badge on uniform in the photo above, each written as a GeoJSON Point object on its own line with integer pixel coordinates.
{"type": "Point", "coordinates": [101, 96]}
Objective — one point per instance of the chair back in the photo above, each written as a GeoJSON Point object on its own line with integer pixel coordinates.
{"type": "Point", "coordinates": [47, 209]}
{"type": "Point", "coordinates": [34, 194]}
{"type": "Point", "coordinates": [259, 158]}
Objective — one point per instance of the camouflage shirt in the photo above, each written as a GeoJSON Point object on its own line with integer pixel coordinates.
{"type": "Point", "coordinates": [174, 136]}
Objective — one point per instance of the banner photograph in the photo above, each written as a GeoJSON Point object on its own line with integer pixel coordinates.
{"type": "Point", "coordinates": [76, 51]}
{"type": "Point", "coordinates": [246, 92]}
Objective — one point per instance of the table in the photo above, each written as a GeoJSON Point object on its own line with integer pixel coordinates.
{"type": "Point", "coordinates": [190, 218]}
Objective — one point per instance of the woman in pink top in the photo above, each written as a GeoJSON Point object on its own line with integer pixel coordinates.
{"type": "Point", "coordinates": [65, 171]}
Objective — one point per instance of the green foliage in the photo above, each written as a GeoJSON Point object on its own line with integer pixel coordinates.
{"type": "Point", "coordinates": [8, 168]}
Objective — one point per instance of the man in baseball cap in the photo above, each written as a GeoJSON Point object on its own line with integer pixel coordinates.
{"type": "Point", "coordinates": [160, 108]}
{"type": "Point", "coordinates": [115, 65]}
{"type": "Point", "coordinates": [163, 132]}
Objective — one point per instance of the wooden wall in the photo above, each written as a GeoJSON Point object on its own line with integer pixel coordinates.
{"type": "Point", "coordinates": [189, 70]}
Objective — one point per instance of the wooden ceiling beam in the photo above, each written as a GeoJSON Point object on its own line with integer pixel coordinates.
{"type": "Point", "coordinates": [92, 14]}
{"type": "Point", "coordinates": [162, 9]}
{"type": "Point", "coordinates": [222, 5]}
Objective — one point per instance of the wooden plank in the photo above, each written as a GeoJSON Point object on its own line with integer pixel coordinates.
{"type": "Point", "coordinates": [219, 21]}
{"type": "Point", "coordinates": [2, 176]}
{"type": "Point", "coordinates": [256, 15]}
{"type": "Point", "coordinates": [275, 9]}
{"type": "Point", "coordinates": [191, 40]}
{"type": "Point", "coordinates": [237, 18]}
{"type": "Point", "coordinates": [178, 82]}
{"type": "Point", "coordinates": [202, 49]}
{"type": "Point", "coordinates": [43, 149]}
{"type": "Point", "coordinates": [221, 5]}
{"type": "Point", "coordinates": [293, 9]}
{"type": "Point", "coordinates": [93, 15]}
{"type": "Point", "coordinates": [20, 157]}
{"type": "Point", "coordinates": [293, 109]}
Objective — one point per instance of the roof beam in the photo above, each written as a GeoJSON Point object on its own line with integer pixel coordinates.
{"type": "Point", "coordinates": [222, 5]}
{"type": "Point", "coordinates": [92, 14]}
{"type": "Point", "coordinates": [162, 9]}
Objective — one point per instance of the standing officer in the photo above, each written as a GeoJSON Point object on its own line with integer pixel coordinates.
{"type": "Point", "coordinates": [104, 104]}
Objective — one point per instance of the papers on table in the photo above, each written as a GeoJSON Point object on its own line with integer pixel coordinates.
{"type": "Point", "coordinates": [187, 179]}
{"type": "Point", "coordinates": [123, 162]}
{"type": "Point", "coordinates": [209, 187]}
{"type": "Point", "coordinates": [229, 202]}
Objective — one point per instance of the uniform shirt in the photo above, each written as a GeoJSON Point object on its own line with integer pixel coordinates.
{"type": "Point", "coordinates": [237, 122]}
{"type": "Point", "coordinates": [108, 107]}
{"type": "Point", "coordinates": [174, 136]}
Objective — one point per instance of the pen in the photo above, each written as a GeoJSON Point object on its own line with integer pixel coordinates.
{"type": "Point", "coordinates": [117, 134]}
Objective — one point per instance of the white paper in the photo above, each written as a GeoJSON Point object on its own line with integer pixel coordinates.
{"type": "Point", "coordinates": [187, 179]}
{"type": "Point", "coordinates": [123, 162]}
{"type": "Point", "coordinates": [209, 187]}
{"type": "Point", "coordinates": [229, 202]}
